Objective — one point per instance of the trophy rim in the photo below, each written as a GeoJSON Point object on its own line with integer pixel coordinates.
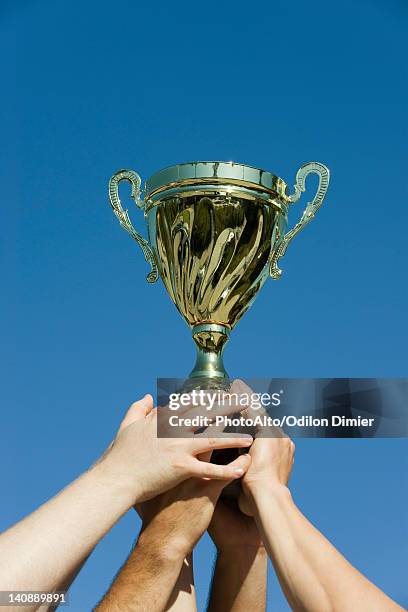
{"type": "Point", "coordinates": [216, 172]}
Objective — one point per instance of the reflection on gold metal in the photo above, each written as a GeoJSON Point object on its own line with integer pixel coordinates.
{"type": "Point", "coordinates": [278, 187]}
{"type": "Point", "coordinates": [216, 232]}
{"type": "Point", "coordinates": [213, 254]}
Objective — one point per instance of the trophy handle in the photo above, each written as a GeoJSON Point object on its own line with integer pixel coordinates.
{"type": "Point", "coordinates": [312, 207]}
{"type": "Point", "coordinates": [122, 214]}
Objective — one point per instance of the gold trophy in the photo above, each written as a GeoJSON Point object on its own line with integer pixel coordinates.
{"type": "Point", "coordinates": [216, 232]}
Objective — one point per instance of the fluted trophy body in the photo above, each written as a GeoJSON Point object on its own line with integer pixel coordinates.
{"type": "Point", "coordinates": [216, 231]}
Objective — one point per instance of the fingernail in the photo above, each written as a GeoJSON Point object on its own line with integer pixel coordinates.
{"type": "Point", "coordinates": [239, 471]}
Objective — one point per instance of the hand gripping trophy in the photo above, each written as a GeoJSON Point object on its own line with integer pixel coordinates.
{"type": "Point", "coordinates": [216, 231]}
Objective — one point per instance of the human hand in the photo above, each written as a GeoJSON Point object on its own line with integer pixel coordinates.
{"type": "Point", "coordinates": [231, 530]}
{"type": "Point", "coordinates": [144, 466]}
{"type": "Point", "coordinates": [272, 454]}
{"type": "Point", "coordinates": [180, 516]}
{"type": "Point", "coordinates": [270, 469]}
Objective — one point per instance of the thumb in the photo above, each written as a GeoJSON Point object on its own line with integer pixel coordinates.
{"type": "Point", "coordinates": [244, 506]}
{"type": "Point", "coordinates": [138, 410]}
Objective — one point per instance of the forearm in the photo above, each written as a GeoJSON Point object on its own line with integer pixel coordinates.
{"type": "Point", "coordinates": [147, 579]}
{"type": "Point", "coordinates": [313, 574]}
{"type": "Point", "coordinates": [239, 581]}
{"type": "Point", "coordinates": [43, 551]}
{"type": "Point", "coordinates": [183, 598]}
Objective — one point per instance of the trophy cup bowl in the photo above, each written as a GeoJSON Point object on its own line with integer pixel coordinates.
{"type": "Point", "coordinates": [216, 232]}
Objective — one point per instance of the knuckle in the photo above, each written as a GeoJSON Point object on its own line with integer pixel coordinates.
{"type": "Point", "coordinates": [208, 470]}
{"type": "Point", "coordinates": [212, 442]}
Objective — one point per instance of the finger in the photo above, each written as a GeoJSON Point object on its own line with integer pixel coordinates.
{"type": "Point", "coordinates": [205, 456]}
{"type": "Point", "coordinates": [149, 403]}
{"type": "Point", "coordinates": [202, 443]}
{"type": "Point", "coordinates": [215, 486]}
{"type": "Point", "coordinates": [244, 506]}
{"type": "Point", "coordinates": [138, 410]}
{"type": "Point", "coordinates": [270, 431]}
{"type": "Point", "coordinates": [226, 407]}
{"type": "Point", "coordinates": [251, 412]}
{"type": "Point", "coordinates": [215, 430]}
{"type": "Point", "coordinates": [230, 472]}
{"type": "Point", "coordinates": [262, 431]}
{"type": "Point", "coordinates": [238, 386]}
{"type": "Point", "coordinates": [242, 461]}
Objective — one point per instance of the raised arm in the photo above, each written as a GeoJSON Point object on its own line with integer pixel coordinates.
{"type": "Point", "coordinates": [157, 575]}
{"type": "Point", "coordinates": [314, 576]}
{"type": "Point", "coordinates": [137, 467]}
{"type": "Point", "coordinates": [240, 573]}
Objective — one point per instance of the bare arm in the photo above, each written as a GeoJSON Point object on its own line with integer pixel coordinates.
{"type": "Point", "coordinates": [44, 551]}
{"type": "Point", "coordinates": [173, 523]}
{"type": "Point", "coordinates": [240, 573]}
{"type": "Point", "coordinates": [314, 576]}
{"type": "Point", "coordinates": [147, 579]}
{"type": "Point", "coordinates": [155, 577]}
{"type": "Point", "coordinates": [183, 597]}
{"type": "Point", "coordinates": [239, 582]}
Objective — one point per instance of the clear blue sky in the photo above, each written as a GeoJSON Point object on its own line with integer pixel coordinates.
{"type": "Point", "coordinates": [91, 87]}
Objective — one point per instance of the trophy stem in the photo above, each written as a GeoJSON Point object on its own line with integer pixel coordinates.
{"type": "Point", "coordinates": [210, 339]}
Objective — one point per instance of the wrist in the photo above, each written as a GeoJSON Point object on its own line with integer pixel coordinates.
{"type": "Point", "coordinates": [109, 474]}
{"type": "Point", "coordinates": [257, 491]}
